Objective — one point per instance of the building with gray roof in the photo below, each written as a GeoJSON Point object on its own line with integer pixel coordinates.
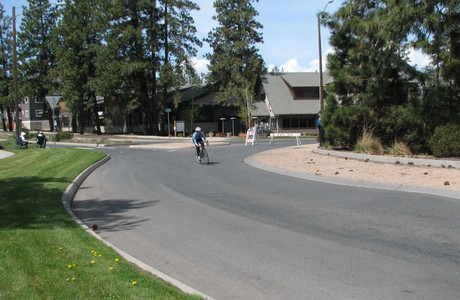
{"type": "Point", "coordinates": [289, 102]}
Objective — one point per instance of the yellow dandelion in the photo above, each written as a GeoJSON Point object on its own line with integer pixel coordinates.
{"type": "Point", "coordinates": [110, 268]}
{"type": "Point", "coordinates": [67, 279]}
{"type": "Point", "coordinates": [117, 259]}
{"type": "Point", "coordinates": [73, 279]}
{"type": "Point", "coordinates": [93, 262]}
{"type": "Point", "coordinates": [134, 283]}
{"type": "Point", "coordinates": [99, 255]}
{"type": "Point", "coordinates": [95, 253]}
{"type": "Point", "coordinates": [60, 248]}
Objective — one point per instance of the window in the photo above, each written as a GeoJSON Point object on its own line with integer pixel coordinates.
{"type": "Point", "coordinates": [306, 93]}
{"type": "Point", "coordinates": [26, 100]}
{"type": "Point", "coordinates": [39, 113]}
{"type": "Point", "coordinates": [37, 100]}
{"type": "Point", "coordinates": [299, 122]}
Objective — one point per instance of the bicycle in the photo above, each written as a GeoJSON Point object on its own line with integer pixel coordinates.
{"type": "Point", "coordinates": [204, 157]}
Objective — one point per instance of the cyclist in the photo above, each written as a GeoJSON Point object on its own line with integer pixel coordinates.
{"type": "Point", "coordinates": [199, 138]}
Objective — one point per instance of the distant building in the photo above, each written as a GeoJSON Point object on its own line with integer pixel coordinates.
{"type": "Point", "coordinates": [33, 114]}
{"type": "Point", "coordinates": [289, 102]}
{"type": "Point", "coordinates": [285, 103]}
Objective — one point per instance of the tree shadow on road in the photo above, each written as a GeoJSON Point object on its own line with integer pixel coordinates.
{"type": "Point", "coordinates": [111, 214]}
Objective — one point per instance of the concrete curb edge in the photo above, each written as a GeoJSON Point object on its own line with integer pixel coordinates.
{"type": "Point", "coordinates": [352, 183]}
{"type": "Point", "coordinates": [67, 199]}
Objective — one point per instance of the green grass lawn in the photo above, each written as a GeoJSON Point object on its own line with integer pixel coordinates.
{"type": "Point", "coordinates": [43, 253]}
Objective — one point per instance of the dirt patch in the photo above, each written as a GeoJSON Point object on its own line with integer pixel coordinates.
{"type": "Point", "coordinates": [302, 159]}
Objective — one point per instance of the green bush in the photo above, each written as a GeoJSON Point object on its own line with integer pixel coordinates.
{"type": "Point", "coordinates": [64, 136]}
{"type": "Point", "coordinates": [344, 125]}
{"type": "Point", "coordinates": [445, 141]}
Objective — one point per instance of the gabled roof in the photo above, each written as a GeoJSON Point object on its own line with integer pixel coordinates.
{"type": "Point", "coordinates": [278, 92]}
{"type": "Point", "coordinates": [259, 109]}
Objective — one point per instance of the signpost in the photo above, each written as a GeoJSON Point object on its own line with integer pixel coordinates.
{"type": "Point", "coordinates": [180, 127]}
{"type": "Point", "coordinates": [53, 102]}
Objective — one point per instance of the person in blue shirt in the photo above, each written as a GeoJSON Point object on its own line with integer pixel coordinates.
{"type": "Point", "coordinates": [199, 138]}
{"type": "Point", "coordinates": [320, 130]}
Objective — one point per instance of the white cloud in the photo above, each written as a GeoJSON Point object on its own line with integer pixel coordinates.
{"type": "Point", "coordinates": [200, 65]}
{"type": "Point", "coordinates": [293, 65]}
{"type": "Point", "coordinates": [418, 58]}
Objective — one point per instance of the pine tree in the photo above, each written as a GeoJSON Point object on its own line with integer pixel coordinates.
{"type": "Point", "coordinates": [37, 51]}
{"type": "Point", "coordinates": [180, 42]}
{"type": "Point", "coordinates": [235, 63]}
{"type": "Point", "coordinates": [437, 29]}
{"type": "Point", "coordinates": [369, 67]}
{"type": "Point", "coordinates": [6, 99]}
{"type": "Point", "coordinates": [80, 39]}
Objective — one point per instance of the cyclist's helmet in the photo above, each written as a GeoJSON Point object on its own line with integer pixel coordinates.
{"type": "Point", "coordinates": [198, 129]}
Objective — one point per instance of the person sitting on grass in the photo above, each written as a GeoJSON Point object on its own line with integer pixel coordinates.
{"type": "Point", "coordinates": [41, 139]}
{"type": "Point", "coordinates": [23, 139]}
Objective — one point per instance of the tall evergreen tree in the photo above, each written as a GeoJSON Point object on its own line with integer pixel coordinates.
{"type": "Point", "coordinates": [127, 63]}
{"type": "Point", "coordinates": [370, 69]}
{"type": "Point", "coordinates": [37, 51]}
{"type": "Point", "coordinates": [235, 63]}
{"type": "Point", "coordinates": [437, 29]}
{"type": "Point", "coordinates": [148, 44]}
{"type": "Point", "coordinates": [6, 99]}
{"type": "Point", "coordinates": [80, 39]}
{"type": "Point", "coordinates": [179, 39]}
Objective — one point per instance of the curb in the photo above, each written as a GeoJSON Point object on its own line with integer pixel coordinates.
{"type": "Point", "coordinates": [442, 163]}
{"type": "Point", "coordinates": [352, 183]}
{"type": "Point", "coordinates": [67, 199]}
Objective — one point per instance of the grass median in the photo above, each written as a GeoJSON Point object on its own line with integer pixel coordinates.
{"type": "Point", "coordinates": [44, 254]}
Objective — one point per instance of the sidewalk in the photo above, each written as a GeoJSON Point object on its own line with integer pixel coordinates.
{"type": "Point", "coordinates": [5, 154]}
{"type": "Point", "coordinates": [392, 159]}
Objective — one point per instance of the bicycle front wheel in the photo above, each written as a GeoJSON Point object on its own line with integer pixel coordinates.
{"type": "Point", "coordinates": [205, 159]}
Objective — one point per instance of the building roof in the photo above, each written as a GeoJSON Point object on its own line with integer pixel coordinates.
{"type": "Point", "coordinates": [278, 93]}
{"type": "Point", "coordinates": [260, 109]}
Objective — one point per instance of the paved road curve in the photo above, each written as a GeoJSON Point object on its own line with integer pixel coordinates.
{"type": "Point", "coordinates": [235, 232]}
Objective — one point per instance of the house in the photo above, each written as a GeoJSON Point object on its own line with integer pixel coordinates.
{"type": "Point", "coordinates": [207, 113]}
{"type": "Point", "coordinates": [32, 114]}
{"type": "Point", "coordinates": [288, 102]}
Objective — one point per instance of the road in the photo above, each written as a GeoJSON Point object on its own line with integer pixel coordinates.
{"type": "Point", "coordinates": [235, 232]}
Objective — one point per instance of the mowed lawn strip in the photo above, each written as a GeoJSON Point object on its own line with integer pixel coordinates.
{"type": "Point", "coordinates": [43, 253]}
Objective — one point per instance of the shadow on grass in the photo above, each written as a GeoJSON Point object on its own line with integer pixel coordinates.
{"type": "Point", "coordinates": [111, 214]}
{"type": "Point", "coordinates": [27, 202]}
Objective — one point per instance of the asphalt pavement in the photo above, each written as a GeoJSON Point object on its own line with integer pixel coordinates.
{"type": "Point", "coordinates": [72, 189]}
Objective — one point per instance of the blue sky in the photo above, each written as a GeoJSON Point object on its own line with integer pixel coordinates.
{"type": "Point", "coordinates": [290, 32]}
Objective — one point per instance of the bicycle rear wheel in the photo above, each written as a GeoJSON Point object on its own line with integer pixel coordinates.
{"type": "Point", "coordinates": [205, 159]}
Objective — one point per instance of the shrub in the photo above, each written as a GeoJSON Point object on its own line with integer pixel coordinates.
{"type": "Point", "coordinates": [63, 136]}
{"type": "Point", "coordinates": [343, 125]}
{"type": "Point", "coordinates": [445, 141]}
{"type": "Point", "coordinates": [369, 144]}
{"type": "Point", "coordinates": [400, 148]}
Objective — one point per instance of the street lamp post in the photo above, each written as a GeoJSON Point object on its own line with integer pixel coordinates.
{"type": "Point", "coordinates": [233, 125]}
{"type": "Point", "coordinates": [168, 110]}
{"type": "Point", "coordinates": [321, 84]}
{"type": "Point", "coordinates": [15, 76]}
{"type": "Point", "coordinates": [223, 120]}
